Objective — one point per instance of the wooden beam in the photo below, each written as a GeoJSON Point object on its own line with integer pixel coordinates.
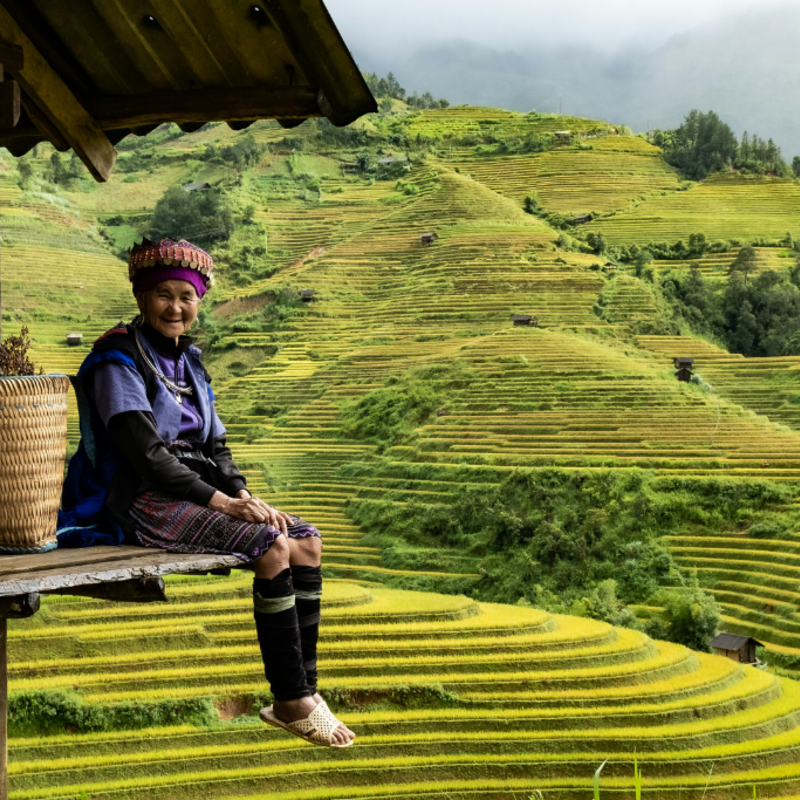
{"type": "Point", "coordinates": [11, 56]}
{"type": "Point", "coordinates": [19, 606]}
{"type": "Point", "coordinates": [9, 104]}
{"type": "Point", "coordinates": [140, 590]}
{"type": "Point", "coordinates": [48, 92]}
{"type": "Point", "coordinates": [205, 105]}
{"type": "Point", "coordinates": [320, 52]}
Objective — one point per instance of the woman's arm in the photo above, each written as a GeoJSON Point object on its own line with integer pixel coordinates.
{"type": "Point", "coordinates": [233, 482]}
{"type": "Point", "coordinates": [137, 436]}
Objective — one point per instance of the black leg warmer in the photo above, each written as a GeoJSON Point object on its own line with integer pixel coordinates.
{"type": "Point", "coordinates": [279, 636]}
{"type": "Point", "coordinates": [308, 592]}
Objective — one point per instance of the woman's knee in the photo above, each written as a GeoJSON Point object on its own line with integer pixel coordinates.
{"type": "Point", "coordinates": [275, 560]}
{"type": "Point", "coordinates": [306, 551]}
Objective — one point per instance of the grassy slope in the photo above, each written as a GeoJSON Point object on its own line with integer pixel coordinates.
{"type": "Point", "coordinates": [576, 392]}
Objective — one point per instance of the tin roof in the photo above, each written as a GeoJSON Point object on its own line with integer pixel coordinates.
{"type": "Point", "coordinates": [93, 72]}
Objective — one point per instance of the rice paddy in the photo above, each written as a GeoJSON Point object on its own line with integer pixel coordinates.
{"type": "Point", "coordinates": [450, 697]}
{"type": "Point", "coordinates": [525, 700]}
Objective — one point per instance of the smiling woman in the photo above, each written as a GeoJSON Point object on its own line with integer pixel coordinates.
{"type": "Point", "coordinates": [153, 469]}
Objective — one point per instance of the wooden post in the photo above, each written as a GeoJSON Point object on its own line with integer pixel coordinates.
{"type": "Point", "coordinates": [3, 709]}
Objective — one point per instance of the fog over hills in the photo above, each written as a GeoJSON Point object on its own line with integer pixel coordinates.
{"type": "Point", "coordinates": [745, 67]}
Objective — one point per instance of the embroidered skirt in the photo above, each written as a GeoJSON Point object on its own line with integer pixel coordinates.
{"type": "Point", "coordinates": [183, 527]}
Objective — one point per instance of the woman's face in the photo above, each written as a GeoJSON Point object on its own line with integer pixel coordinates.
{"type": "Point", "coordinates": [170, 307]}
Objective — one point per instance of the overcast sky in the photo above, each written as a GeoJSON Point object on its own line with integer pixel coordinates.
{"type": "Point", "coordinates": [385, 24]}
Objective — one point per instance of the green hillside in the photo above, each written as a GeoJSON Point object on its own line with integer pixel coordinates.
{"type": "Point", "coordinates": [404, 392]}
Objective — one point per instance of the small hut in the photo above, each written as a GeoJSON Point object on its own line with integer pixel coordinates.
{"type": "Point", "coordinates": [74, 339]}
{"type": "Point", "coordinates": [582, 219]}
{"type": "Point", "coordinates": [683, 368]}
{"type": "Point", "coordinates": [741, 649]}
{"type": "Point", "coordinates": [196, 187]}
{"type": "Point", "coordinates": [520, 320]}
{"type": "Point", "coordinates": [350, 169]}
{"type": "Point", "coordinates": [428, 238]}
{"type": "Point", "coordinates": [562, 134]}
{"type": "Point", "coordinates": [307, 295]}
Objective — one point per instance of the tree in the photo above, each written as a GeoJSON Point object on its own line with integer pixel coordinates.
{"type": "Point", "coordinates": [597, 242]}
{"type": "Point", "coordinates": [745, 261]}
{"type": "Point", "coordinates": [201, 217]}
{"type": "Point", "coordinates": [25, 169]}
{"type": "Point", "coordinates": [59, 172]}
{"type": "Point", "coordinates": [692, 617]}
{"type": "Point", "coordinates": [796, 166]}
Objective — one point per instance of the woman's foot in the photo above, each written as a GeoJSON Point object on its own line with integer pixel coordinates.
{"type": "Point", "coordinates": [294, 710]}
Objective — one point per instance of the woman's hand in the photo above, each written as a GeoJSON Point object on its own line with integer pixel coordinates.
{"type": "Point", "coordinates": [250, 509]}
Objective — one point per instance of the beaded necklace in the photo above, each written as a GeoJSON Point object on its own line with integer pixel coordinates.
{"type": "Point", "coordinates": [173, 387]}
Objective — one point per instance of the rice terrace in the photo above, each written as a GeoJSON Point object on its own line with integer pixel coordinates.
{"type": "Point", "coordinates": [535, 379]}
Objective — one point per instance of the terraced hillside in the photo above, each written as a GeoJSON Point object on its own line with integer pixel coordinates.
{"type": "Point", "coordinates": [578, 392]}
{"type": "Point", "coordinates": [449, 698]}
{"type": "Point", "coordinates": [720, 207]}
{"type": "Point", "coordinates": [611, 174]}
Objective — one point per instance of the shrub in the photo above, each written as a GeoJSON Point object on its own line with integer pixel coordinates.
{"type": "Point", "coordinates": [201, 217]}
{"type": "Point", "coordinates": [14, 355]}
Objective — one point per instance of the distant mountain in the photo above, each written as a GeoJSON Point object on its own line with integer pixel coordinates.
{"type": "Point", "coordinates": [745, 68]}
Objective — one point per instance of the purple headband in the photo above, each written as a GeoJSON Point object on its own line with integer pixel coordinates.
{"type": "Point", "coordinates": [148, 278]}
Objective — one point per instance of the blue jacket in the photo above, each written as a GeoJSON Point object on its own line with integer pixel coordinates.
{"type": "Point", "coordinates": [100, 484]}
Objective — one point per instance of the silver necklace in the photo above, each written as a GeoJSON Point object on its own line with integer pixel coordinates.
{"type": "Point", "coordinates": [173, 387]}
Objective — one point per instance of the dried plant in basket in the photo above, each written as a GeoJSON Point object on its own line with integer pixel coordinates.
{"type": "Point", "coordinates": [14, 356]}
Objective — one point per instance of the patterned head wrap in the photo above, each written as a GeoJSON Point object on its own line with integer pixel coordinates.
{"type": "Point", "coordinates": [153, 262]}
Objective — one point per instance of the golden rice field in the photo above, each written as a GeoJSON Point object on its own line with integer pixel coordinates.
{"type": "Point", "coordinates": [616, 172]}
{"type": "Point", "coordinates": [721, 208]}
{"type": "Point", "coordinates": [517, 701]}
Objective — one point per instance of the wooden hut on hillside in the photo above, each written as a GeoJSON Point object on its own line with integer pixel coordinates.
{"type": "Point", "coordinates": [522, 320]}
{"type": "Point", "coordinates": [683, 368]}
{"type": "Point", "coordinates": [737, 648]}
{"type": "Point", "coordinates": [307, 295]}
{"type": "Point", "coordinates": [428, 238]}
{"type": "Point", "coordinates": [196, 187]}
{"type": "Point", "coordinates": [582, 219]}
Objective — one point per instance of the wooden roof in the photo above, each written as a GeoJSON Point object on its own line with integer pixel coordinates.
{"type": "Point", "coordinates": [91, 72]}
{"type": "Point", "coordinates": [730, 641]}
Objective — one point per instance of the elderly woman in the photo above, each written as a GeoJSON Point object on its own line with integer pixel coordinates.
{"type": "Point", "coordinates": [153, 469]}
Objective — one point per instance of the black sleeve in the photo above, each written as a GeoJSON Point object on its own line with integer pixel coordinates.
{"type": "Point", "coordinates": [231, 479]}
{"type": "Point", "coordinates": [137, 436]}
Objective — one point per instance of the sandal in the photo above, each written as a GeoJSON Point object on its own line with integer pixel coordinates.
{"type": "Point", "coordinates": [317, 727]}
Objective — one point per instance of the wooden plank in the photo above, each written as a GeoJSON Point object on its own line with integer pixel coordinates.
{"type": "Point", "coordinates": [141, 590]}
{"type": "Point", "coordinates": [53, 97]}
{"type": "Point", "coordinates": [206, 105]}
{"type": "Point", "coordinates": [11, 56]}
{"type": "Point", "coordinates": [63, 569]}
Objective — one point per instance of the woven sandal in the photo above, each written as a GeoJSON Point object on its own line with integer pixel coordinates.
{"type": "Point", "coordinates": [317, 727]}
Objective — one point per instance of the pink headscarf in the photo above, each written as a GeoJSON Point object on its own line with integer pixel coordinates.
{"type": "Point", "coordinates": [146, 279]}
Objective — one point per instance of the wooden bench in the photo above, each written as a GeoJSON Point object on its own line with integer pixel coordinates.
{"type": "Point", "coordinates": [121, 574]}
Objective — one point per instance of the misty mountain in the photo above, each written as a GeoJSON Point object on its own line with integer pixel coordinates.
{"type": "Point", "coordinates": [745, 68]}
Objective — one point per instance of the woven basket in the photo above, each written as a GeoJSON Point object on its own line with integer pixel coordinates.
{"type": "Point", "coordinates": [33, 446]}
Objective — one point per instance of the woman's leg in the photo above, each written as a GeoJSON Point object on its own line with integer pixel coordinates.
{"type": "Point", "coordinates": [278, 632]}
{"type": "Point", "coordinates": [299, 559]}
{"type": "Point", "coordinates": [304, 560]}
